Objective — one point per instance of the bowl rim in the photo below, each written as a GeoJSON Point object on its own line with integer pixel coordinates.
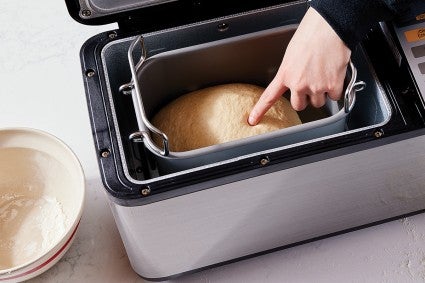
{"type": "Point", "coordinates": [29, 272]}
{"type": "Point", "coordinates": [26, 269]}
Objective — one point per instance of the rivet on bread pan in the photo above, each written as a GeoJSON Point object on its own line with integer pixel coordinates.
{"type": "Point", "coordinates": [145, 191]}
{"type": "Point", "coordinates": [126, 88]}
{"type": "Point", "coordinates": [264, 161]}
{"type": "Point", "coordinates": [86, 13]}
{"type": "Point", "coordinates": [105, 153]}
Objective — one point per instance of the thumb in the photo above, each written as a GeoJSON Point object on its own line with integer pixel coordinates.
{"type": "Point", "coordinates": [272, 93]}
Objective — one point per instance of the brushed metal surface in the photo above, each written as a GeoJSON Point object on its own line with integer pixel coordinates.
{"type": "Point", "coordinates": [226, 222]}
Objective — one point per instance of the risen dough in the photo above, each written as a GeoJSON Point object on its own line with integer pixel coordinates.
{"type": "Point", "coordinates": [217, 115]}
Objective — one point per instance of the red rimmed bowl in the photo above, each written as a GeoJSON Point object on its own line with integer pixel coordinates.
{"type": "Point", "coordinates": [42, 191]}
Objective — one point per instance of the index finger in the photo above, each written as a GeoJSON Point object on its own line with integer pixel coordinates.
{"type": "Point", "coordinates": [272, 93]}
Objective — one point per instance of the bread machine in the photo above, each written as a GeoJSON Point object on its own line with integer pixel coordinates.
{"type": "Point", "coordinates": [254, 202]}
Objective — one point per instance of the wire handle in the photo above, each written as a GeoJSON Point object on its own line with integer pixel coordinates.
{"type": "Point", "coordinates": [352, 87]}
{"type": "Point", "coordinates": [145, 127]}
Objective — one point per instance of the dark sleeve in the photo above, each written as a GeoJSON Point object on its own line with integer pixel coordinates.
{"type": "Point", "coordinates": [352, 19]}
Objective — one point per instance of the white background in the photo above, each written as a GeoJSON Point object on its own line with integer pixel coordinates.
{"type": "Point", "coordinates": [41, 86]}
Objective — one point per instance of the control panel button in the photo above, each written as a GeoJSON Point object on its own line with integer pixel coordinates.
{"type": "Point", "coordinates": [422, 68]}
{"type": "Point", "coordinates": [418, 51]}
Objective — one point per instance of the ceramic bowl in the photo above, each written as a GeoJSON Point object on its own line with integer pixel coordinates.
{"type": "Point", "coordinates": [41, 201]}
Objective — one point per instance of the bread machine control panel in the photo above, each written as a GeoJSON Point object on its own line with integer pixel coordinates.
{"type": "Point", "coordinates": [411, 34]}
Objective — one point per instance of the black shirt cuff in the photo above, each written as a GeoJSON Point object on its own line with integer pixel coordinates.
{"type": "Point", "coordinates": [352, 20]}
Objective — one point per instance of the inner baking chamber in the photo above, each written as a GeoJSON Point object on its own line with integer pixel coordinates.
{"type": "Point", "coordinates": [253, 58]}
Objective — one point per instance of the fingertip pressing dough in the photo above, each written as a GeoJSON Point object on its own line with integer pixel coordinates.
{"type": "Point", "coordinates": [219, 114]}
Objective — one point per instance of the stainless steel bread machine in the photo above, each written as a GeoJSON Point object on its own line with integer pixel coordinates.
{"type": "Point", "coordinates": [252, 202]}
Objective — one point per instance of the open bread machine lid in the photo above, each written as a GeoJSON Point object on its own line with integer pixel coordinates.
{"type": "Point", "coordinates": [97, 12]}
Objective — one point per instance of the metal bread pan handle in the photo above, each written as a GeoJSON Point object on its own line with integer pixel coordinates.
{"type": "Point", "coordinates": [133, 87]}
{"type": "Point", "coordinates": [351, 89]}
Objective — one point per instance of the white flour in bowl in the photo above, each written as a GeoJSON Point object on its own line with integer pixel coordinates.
{"type": "Point", "coordinates": [31, 220]}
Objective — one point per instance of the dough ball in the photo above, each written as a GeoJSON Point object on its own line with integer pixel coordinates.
{"type": "Point", "coordinates": [219, 114]}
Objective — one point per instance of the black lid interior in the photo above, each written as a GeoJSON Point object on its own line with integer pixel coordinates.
{"type": "Point", "coordinates": [96, 9]}
{"type": "Point", "coordinates": [161, 12]}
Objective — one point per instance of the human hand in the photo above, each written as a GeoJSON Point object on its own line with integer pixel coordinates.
{"type": "Point", "coordinates": [313, 67]}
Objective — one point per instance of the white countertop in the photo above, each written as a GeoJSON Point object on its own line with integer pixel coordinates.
{"type": "Point", "coordinates": [41, 87]}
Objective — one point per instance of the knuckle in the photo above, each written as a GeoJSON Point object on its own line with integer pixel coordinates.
{"type": "Point", "coordinates": [315, 89]}
{"type": "Point", "coordinates": [299, 88]}
{"type": "Point", "coordinates": [332, 86]}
